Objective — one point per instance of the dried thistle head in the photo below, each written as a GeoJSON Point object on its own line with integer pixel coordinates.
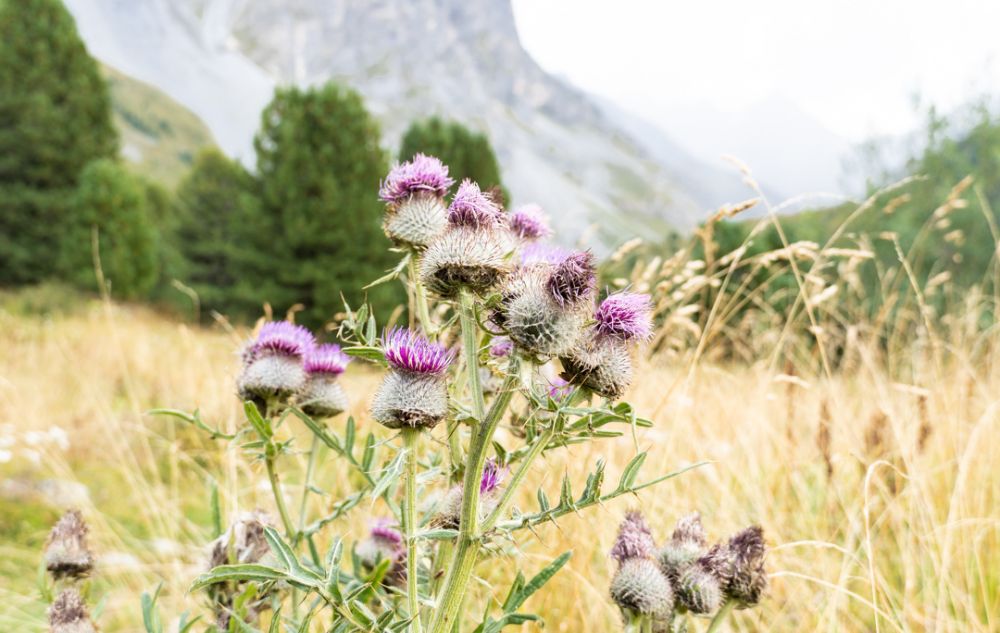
{"type": "Point", "coordinates": [635, 539]}
{"type": "Point", "coordinates": [573, 280]}
{"type": "Point", "coordinates": [698, 590]}
{"type": "Point", "coordinates": [600, 364]}
{"type": "Point", "coordinates": [638, 586]}
{"type": "Point", "coordinates": [66, 553]}
{"type": "Point", "coordinates": [68, 614]}
{"type": "Point", "coordinates": [739, 566]}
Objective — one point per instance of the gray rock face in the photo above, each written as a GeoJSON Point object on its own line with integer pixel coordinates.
{"type": "Point", "coordinates": [410, 59]}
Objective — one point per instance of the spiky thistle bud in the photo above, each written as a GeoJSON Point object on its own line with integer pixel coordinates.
{"type": "Point", "coordinates": [635, 539]}
{"type": "Point", "coordinates": [384, 542]}
{"type": "Point", "coordinates": [639, 587]}
{"type": "Point", "coordinates": [66, 552]}
{"type": "Point", "coordinates": [698, 590]}
{"type": "Point", "coordinates": [68, 614]}
{"type": "Point", "coordinates": [685, 545]}
{"type": "Point", "coordinates": [739, 566]}
{"type": "Point", "coordinates": [414, 393]}
{"type": "Point", "coordinates": [414, 192]}
{"type": "Point", "coordinates": [544, 307]}
{"type": "Point", "coordinates": [450, 515]}
{"type": "Point", "coordinates": [529, 223]}
{"type": "Point", "coordinates": [272, 369]}
{"type": "Point", "coordinates": [322, 396]}
{"type": "Point", "coordinates": [473, 252]}
{"type": "Point", "coordinates": [600, 364]}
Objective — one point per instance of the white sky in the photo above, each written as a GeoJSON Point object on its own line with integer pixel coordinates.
{"type": "Point", "coordinates": [853, 64]}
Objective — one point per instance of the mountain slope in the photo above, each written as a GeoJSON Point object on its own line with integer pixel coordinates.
{"type": "Point", "coordinates": [409, 59]}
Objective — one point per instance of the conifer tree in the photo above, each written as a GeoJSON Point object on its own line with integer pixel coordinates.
{"type": "Point", "coordinates": [55, 117]}
{"type": "Point", "coordinates": [319, 164]}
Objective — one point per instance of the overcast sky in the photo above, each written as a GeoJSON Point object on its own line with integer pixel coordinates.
{"type": "Point", "coordinates": [853, 64]}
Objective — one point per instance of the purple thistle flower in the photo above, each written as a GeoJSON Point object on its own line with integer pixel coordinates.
{"type": "Point", "coordinates": [635, 539]}
{"type": "Point", "coordinates": [573, 279]}
{"type": "Point", "coordinates": [409, 351]}
{"type": "Point", "coordinates": [501, 346]}
{"type": "Point", "coordinates": [385, 530]}
{"type": "Point", "coordinates": [559, 389]}
{"type": "Point", "coordinates": [626, 315]}
{"type": "Point", "coordinates": [285, 338]}
{"type": "Point", "coordinates": [422, 174]}
{"type": "Point", "coordinates": [472, 208]}
{"type": "Point", "coordinates": [326, 359]}
{"type": "Point", "coordinates": [493, 475]}
{"type": "Point", "coordinates": [540, 253]}
{"type": "Point", "coordinates": [529, 222]}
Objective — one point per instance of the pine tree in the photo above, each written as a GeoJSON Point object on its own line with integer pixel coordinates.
{"type": "Point", "coordinates": [468, 154]}
{"type": "Point", "coordinates": [55, 117]}
{"type": "Point", "coordinates": [111, 205]}
{"type": "Point", "coordinates": [217, 210]}
{"type": "Point", "coordinates": [319, 164]}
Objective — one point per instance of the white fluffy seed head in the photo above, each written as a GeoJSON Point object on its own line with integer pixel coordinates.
{"type": "Point", "coordinates": [465, 257]}
{"type": "Point", "coordinates": [416, 221]}
{"type": "Point", "coordinates": [639, 586]}
{"type": "Point", "coordinates": [698, 590]}
{"type": "Point", "coordinates": [322, 396]}
{"type": "Point", "coordinates": [411, 400]}
{"type": "Point", "coordinates": [271, 376]}
{"type": "Point", "coordinates": [535, 322]}
{"type": "Point", "coordinates": [600, 364]}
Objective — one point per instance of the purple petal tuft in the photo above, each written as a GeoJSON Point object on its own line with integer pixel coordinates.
{"type": "Point", "coordinates": [573, 279]}
{"type": "Point", "coordinates": [423, 173]}
{"type": "Point", "coordinates": [635, 539]}
{"type": "Point", "coordinates": [285, 338]}
{"type": "Point", "coordinates": [409, 351]}
{"type": "Point", "coordinates": [626, 315]}
{"type": "Point", "coordinates": [326, 359]}
{"type": "Point", "coordinates": [493, 475]}
{"type": "Point", "coordinates": [472, 208]}
{"type": "Point", "coordinates": [385, 530]}
{"type": "Point", "coordinates": [540, 253]}
{"type": "Point", "coordinates": [559, 389]}
{"type": "Point", "coordinates": [501, 346]}
{"type": "Point", "coordinates": [529, 222]}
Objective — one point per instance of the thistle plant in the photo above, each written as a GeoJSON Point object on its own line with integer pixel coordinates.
{"type": "Point", "coordinates": [658, 590]}
{"type": "Point", "coordinates": [469, 402]}
{"type": "Point", "coordinates": [68, 561]}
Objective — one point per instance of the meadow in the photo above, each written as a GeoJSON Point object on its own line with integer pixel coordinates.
{"type": "Point", "coordinates": [869, 461]}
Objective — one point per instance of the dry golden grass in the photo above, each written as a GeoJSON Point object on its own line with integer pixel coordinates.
{"type": "Point", "coordinates": [888, 520]}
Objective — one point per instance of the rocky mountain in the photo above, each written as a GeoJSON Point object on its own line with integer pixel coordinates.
{"type": "Point", "coordinates": [409, 58]}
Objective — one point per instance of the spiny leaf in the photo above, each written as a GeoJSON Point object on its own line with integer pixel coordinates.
{"type": "Point", "coordinates": [259, 424]}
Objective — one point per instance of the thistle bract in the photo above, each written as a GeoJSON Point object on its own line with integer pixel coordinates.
{"type": "Point", "coordinates": [528, 222]}
{"type": "Point", "coordinates": [68, 614]}
{"type": "Point", "coordinates": [698, 590]}
{"type": "Point", "coordinates": [626, 316]}
{"type": "Point", "coordinates": [66, 552]}
{"type": "Point", "coordinates": [466, 257]}
{"type": "Point", "coordinates": [638, 586]}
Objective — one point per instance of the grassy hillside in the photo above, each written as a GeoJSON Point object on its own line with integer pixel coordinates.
{"type": "Point", "coordinates": [160, 136]}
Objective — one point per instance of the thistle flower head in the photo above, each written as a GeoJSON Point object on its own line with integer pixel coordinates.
{"type": "Point", "coordinates": [410, 351]}
{"type": "Point", "coordinates": [407, 399]}
{"type": "Point", "coordinates": [501, 347]}
{"type": "Point", "coordinates": [541, 253]}
{"type": "Point", "coordinates": [493, 475]}
{"type": "Point", "coordinates": [529, 222]}
{"type": "Point", "coordinates": [422, 174]}
{"type": "Point", "coordinates": [466, 257]}
{"type": "Point", "coordinates": [66, 553]}
{"type": "Point", "coordinates": [322, 396]}
{"type": "Point", "coordinates": [326, 359]}
{"type": "Point", "coordinates": [284, 338]}
{"type": "Point", "coordinates": [472, 208]}
{"type": "Point", "coordinates": [749, 578]}
{"type": "Point", "coordinates": [685, 545]}
{"type": "Point", "coordinates": [599, 364]}
{"type": "Point", "coordinates": [626, 316]}
{"type": "Point", "coordinates": [242, 542]}
{"type": "Point", "coordinates": [698, 590]}
{"type": "Point", "coordinates": [68, 614]}
{"type": "Point", "coordinates": [386, 530]}
{"type": "Point", "coordinates": [635, 539]}
{"type": "Point", "coordinates": [573, 279]}
{"type": "Point", "coordinates": [639, 587]}
{"type": "Point", "coordinates": [534, 320]}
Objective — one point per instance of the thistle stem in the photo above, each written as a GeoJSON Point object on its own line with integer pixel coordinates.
{"type": "Point", "coordinates": [310, 468]}
{"type": "Point", "coordinates": [279, 498]}
{"type": "Point", "coordinates": [467, 547]}
{"type": "Point", "coordinates": [410, 439]}
{"type": "Point", "coordinates": [508, 494]}
{"type": "Point", "coordinates": [420, 297]}
{"type": "Point", "coordinates": [647, 624]}
{"type": "Point", "coordinates": [721, 616]}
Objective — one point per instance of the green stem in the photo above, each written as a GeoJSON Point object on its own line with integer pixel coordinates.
{"type": "Point", "coordinates": [467, 547]}
{"type": "Point", "coordinates": [420, 297]}
{"type": "Point", "coordinates": [454, 450]}
{"type": "Point", "coordinates": [310, 468]}
{"type": "Point", "coordinates": [279, 498]}
{"type": "Point", "coordinates": [721, 616]}
{"type": "Point", "coordinates": [410, 439]}
{"type": "Point", "coordinates": [508, 494]}
{"type": "Point", "coordinates": [647, 624]}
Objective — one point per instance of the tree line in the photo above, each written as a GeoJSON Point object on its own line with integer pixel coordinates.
{"type": "Point", "coordinates": [302, 228]}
